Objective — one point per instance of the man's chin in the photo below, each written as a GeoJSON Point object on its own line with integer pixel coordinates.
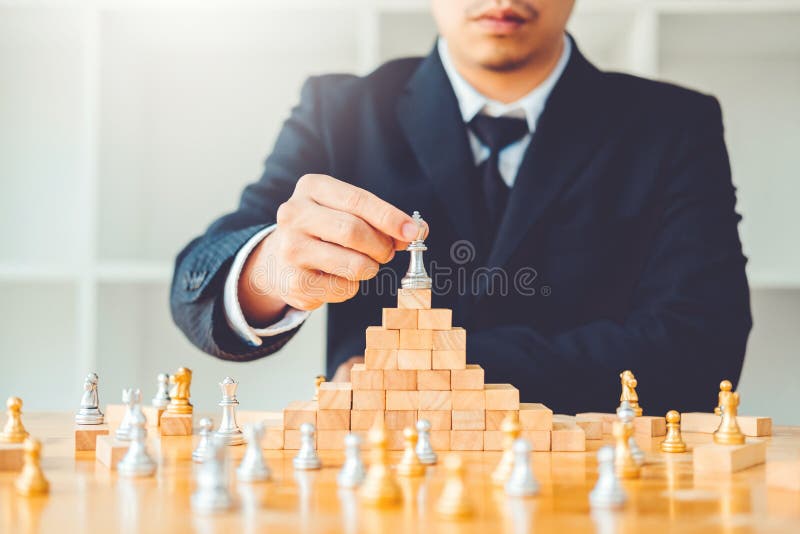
{"type": "Point", "coordinates": [501, 60]}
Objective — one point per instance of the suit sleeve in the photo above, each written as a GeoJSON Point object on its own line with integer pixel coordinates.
{"type": "Point", "coordinates": [689, 317]}
{"type": "Point", "coordinates": [196, 297]}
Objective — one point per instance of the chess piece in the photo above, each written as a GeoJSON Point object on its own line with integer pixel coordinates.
{"type": "Point", "coordinates": [212, 494]}
{"type": "Point", "coordinates": [137, 462]}
{"type": "Point", "coordinates": [89, 412]}
{"type": "Point", "coordinates": [31, 480]}
{"type": "Point", "coordinates": [521, 482]}
{"type": "Point", "coordinates": [409, 465]}
{"type": "Point", "coordinates": [425, 451]}
{"type": "Point", "coordinates": [253, 467]}
{"type": "Point", "coordinates": [133, 413]}
{"type": "Point", "coordinates": [161, 398]}
{"type": "Point", "coordinates": [608, 491]}
{"type": "Point", "coordinates": [673, 442]}
{"type": "Point", "coordinates": [318, 380]}
{"type": "Point", "coordinates": [307, 457]}
{"type": "Point", "coordinates": [380, 487]}
{"type": "Point", "coordinates": [624, 463]}
{"type": "Point", "coordinates": [416, 277]}
{"type": "Point", "coordinates": [353, 471]}
{"type": "Point", "coordinates": [629, 383]}
{"type": "Point", "coordinates": [625, 413]}
{"type": "Point", "coordinates": [179, 396]}
{"type": "Point", "coordinates": [728, 432]}
{"type": "Point", "coordinates": [228, 429]}
{"type": "Point", "coordinates": [13, 431]}
{"type": "Point", "coordinates": [454, 502]}
{"type": "Point", "coordinates": [511, 431]}
{"type": "Point", "coordinates": [203, 448]}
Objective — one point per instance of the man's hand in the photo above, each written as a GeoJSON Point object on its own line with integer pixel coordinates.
{"type": "Point", "coordinates": [342, 373]}
{"type": "Point", "coordinates": [330, 236]}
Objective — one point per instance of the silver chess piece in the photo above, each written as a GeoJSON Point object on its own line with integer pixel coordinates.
{"type": "Point", "coordinates": [307, 457]}
{"type": "Point", "coordinates": [212, 494]}
{"type": "Point", "coordinates": [200, 453]}
{"type": "Point", "coordinates": [424, 448]}
{"type": "Point", "coordinates": [626, 414]}
{"type": "Point", "coordinates": [137, 461]}
{"type": "Point", "coordinates": [253, 467]}
{"type": "Point", "coordinates": [228, 430]}
{"type": "Point", "coordinates": [417, 277]}
{"type": "Point", "coordinates": [133, 413]}
{"type": "Point", "coordinates": [162, 398]}
{"type": "Point", "coordinates": [89, 412]}
{"type": "Point", "coordinates": [353, 471]}
{"type": "Point", "coordinates": [608, 491]}
{"type": "Point", "coordinates": [521, 482]}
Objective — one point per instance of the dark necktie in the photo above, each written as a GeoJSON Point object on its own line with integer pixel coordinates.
{"type": "Point", "coordinates": [496, 133]}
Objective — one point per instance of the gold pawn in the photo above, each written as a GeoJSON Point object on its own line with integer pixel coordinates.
{"type": "Point", "coordinates": [629, 383]}
{"type": "Point", "coordinates": [673, 442]}
{"type": "Point", "coordinates": [454, 503]}
{"type": "Point", "coordinates": [318, 380]}
{"type": "Point", "coordinates": [179, 397]}
{"type": "Point", "coordinates": [13, 431]}
{"type": "Point", "coordinates": [728, 432]}
{"type": "Point", "coordinates": [624, 462]}
{"type": "Point", "coordinates": [410, 466]}
{"type": "Point", "coordinates": [31, 480]}
{"type": "Point", "coordinates": [511, 431]}
{"type": "Point", "coordinates": [379, 487]}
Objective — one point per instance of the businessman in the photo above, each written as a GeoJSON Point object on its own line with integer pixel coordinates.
{"type": "Point", "coordinates": [580, 222]}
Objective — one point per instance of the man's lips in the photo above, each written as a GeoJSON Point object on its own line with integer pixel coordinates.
{"type": "Point", "coordinates": [500, 22]}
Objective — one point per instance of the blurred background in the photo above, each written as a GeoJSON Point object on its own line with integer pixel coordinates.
{"type": "Point", "coordinates": [126, 126]}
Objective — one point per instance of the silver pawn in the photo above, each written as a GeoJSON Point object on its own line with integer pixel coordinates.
{"type": "Point", "coordinates": [627, 415]}
{"type": "Point", "coordinates": [162, 397]}
{"type": "Point", "coordinates": [89, 412]}
{"type": "Point", "coordinates": [203, 448]}
{"type": "Point", "coordinates": [137, 461]}
{"type": "Point", "coordinates": [307, 455]}
{"type": "Point", "coordinates": [253, 467]}
{"type": "Point", "coordinates": [133, 413]}
{"type": "Point", "coordinates": [424, 448]}
{"type": "Point", "coordinates": [228, 429]}
{"type": "Point", "coordinates": [417, 277]}
{"type": "Point", "coordinates": [212, 494]}
{"type": "Point", "coordinates": [353, 471]}
{"type": "Point", "coordinates": [521, 482]}
{"type": "Point", "coordinates": [608, 491]}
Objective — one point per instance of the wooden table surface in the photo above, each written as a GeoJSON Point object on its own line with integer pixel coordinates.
{"type": "Point", "coordinates": [86, 496]}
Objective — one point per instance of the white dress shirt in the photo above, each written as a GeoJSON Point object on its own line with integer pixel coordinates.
{"type": "Point", "coordinates": [471, 103]}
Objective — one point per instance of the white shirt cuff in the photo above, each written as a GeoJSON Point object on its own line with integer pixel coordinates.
{"type": "Point", "coordinates": [233, 309]}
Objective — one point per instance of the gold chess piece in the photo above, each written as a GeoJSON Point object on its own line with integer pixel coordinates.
{"type": "Point", "coordinates": [410, 466]}
{"type": "Point", "coordinates": [31, 480]}
{"type": "Point", "coordinates": [629, 383]}
{"type": "Point", "coordinates": [511, 431]}
{"type": "Point", "coordinates": [318, 380]}
{"type": "Point", "coordinates": [379, 487]}
{"type": "Point", "coordinates": [454, 503]}
{"type": "Point", "coordinates": [728, 432]}
{"type": "Point", "coordinates": [673, 442]}
{"type": "Point", "coordinates": [13, 431]}
{"type": "Point", "coordinates": [179, 396]}
{"type": "Point", "coordinates": [625, 464]}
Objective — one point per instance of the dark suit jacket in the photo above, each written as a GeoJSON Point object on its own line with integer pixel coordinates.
{"type": "Point", "coordinates": [619, 245]}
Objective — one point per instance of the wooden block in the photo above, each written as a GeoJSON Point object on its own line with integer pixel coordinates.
{"type": "Point", "coordinates": [297, 413]}
{"type": "Point", "coordinates": [363, 378]}
{"type": "Point", "coordinates": [469, 420]}
{"type": "Point", "coordinates": [713, 458]}
{"type": "Point", "coordinates": [378, 337]}
{"type": "Point", "coordinates": [493, 440]}
{"type": "Point", "coordinates": [402, 400]}
{"type": "Point", "coordinates": [292, 439]}
{"type": "Point", "coordinates": [335, 396]}
{"type": "Point", "coordinates": [650, 426]}
{"type": "Point", "coordinates": [433, 379]}
{"type": "Point", "coordinates": [469, 399]}
{"type": "Point", "coordinates": [784, 474]}
{"type": "Point", "coordinates": [413, 359]}
{"type": "Point", "coordinates": [399, 318]}
{"type": "Point", "coordinates": [12, 456]}
{"type": "Point", "coordinates": [380, 358]}
{"type": "Point", "coordinates": [501, 397]}
{"type": "Point", "coordinates": [109, 451]}
{"type": "Point", "coordinates": [535, 416]}
{"type": "Point", "coordinates": [435, 400]}
{"type": "Point", "coordinates": [400, 379]}
{"type": "Point", "coordinates": [466, 440]}
{"type": "Point", "coordinates": [495, 418]}
{"type": "Point", "coordinates": [364, 419]}
{"type": "Point", "coordinates": [567, 437]}
{"type": "Point", "coordinates": [540, 439]}
{"type": "Point", "coordinates": [86, 436]}
{"type": "Point", "coordinates": [414, 299]}
{"type": "Point", "coordinates": [333, 419]}
{"type": "Point", "coordinates": [176, 424]}
{"type": "Point", "coordinates": [449, 359]}
{"type": "Point", "coordinates": [471, 377]}
{"type": "Point", "coordinates": [416, 339]}
{"type": "Point", "coordinates": [708, 423]}
{"type": "Point", "coordinates": [453, 339]}
{"type": "Point", "coordinates": [269, 418]}
{"type": "Point", "coordinates": [440, 440]}
{"type": "Point", "coordinates": [152, 414]}
{"type": "Point", "coordinates": [400, 419]}
{"type": "Point", "coordinates": [273, 438]}
{"type": "Point", "coordinates": [592, 428]}
{"type": "Point", "coordinates": [367, 399]}
{"type": "Point", "coordinates": [331, 439]}
{"type": "Point", "coordinates": [607, 419]}
{"type": "Point", "coordinates": [439, 419]}
{"type": "Point", "coordinates": [435, 319]}
{"type": "Point", "coordinates": [395, 440]}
